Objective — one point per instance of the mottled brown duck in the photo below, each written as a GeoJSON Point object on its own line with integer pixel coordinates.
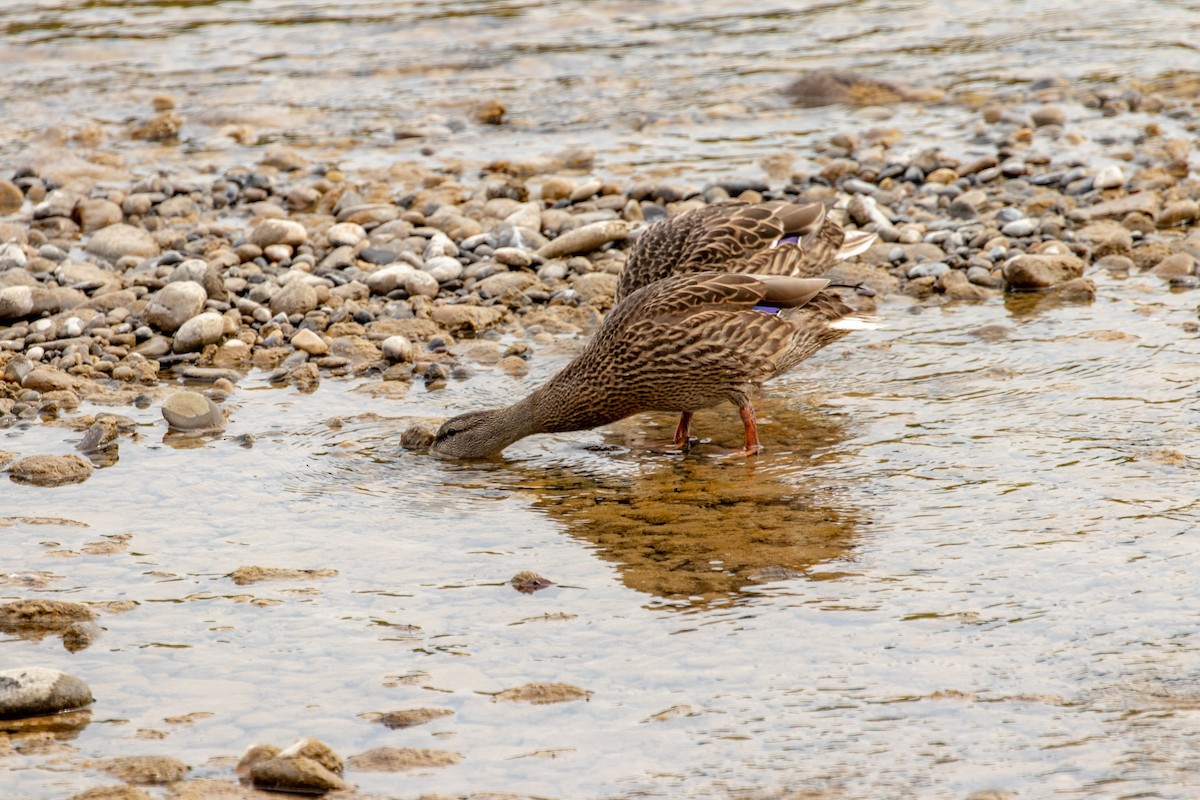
{"type": "Point", "coordinates": [681, 344]}
{"type": "Point", "coordinates": [776, 238]}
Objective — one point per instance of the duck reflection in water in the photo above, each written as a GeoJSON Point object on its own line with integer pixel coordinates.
{"type": "Point", "coordinates": [694, 530]}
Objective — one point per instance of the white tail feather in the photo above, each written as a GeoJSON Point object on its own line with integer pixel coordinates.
{"type": "Point", "coordinates": [857, 323]}
{"type": "Point", "coordinates": [856, 242]}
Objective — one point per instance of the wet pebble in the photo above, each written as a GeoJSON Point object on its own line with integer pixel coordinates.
{"type": "Point", "coordinates": [417, 437]}
{"type": "Point", "coordinates": [1031, 272]}
{"type": "Point", "coordinates": [191, 411]}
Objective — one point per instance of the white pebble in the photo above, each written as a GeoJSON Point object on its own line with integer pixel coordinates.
{"type": "Point", "coordinates": [35, 353]}
{"type": "Point", "coordinates": [397, 349]}
{"type": "Point", "coordinates": [1109, 178]}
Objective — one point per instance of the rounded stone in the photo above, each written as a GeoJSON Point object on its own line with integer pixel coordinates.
{"type": "Point", "coordinates": [310, 342]}
{"type": "Point", "coordinates": [298, 774]}
{"type": "Point", "coordinates": [278, 231]}
{"type": "Point", "coordinates": [346, 234]}
{"type": "Point", "coordinates": [1048, 115]}
{"type": "Point", "coordinates": [1020, 227]}
{"type": "Point", "coordinates": [10, 197]}
{"type": "Point", "coordinates": [1109, 178]}
{"type": "Point", "coordinates": [587, 238]}
{"type": "Point", "coordinates": [397, 349]}
{"type": "Point", "coordinates": [46, 470]}
{"type": "Point", "coordinates": [34, 691]}
{"type": "Point", "coordinates": [513, 257]}
{"type": "Point", "coordinates": [191, 411]}
{"type": "Point", "coordinates": [444, 268]}
{"type": "Point", "coordinates": [277, 253]}
{"type": "Point", "coordinates": [117, 241]}
{"type": "Point", "coordinates": [175, 304]}
{"type": "Point", "coordinates": [95, 214]}
{"type": "Point", "coordinates": [929, 269]}
{"type": "Point", "coordinates": [421, 283]}
{"type": "Point", "coordinates": [198, 332]}
{"type": "Point", "coordinates": [1175, 266]}
{"type": "Point", "coordinates": [12, 256]}
{"type": "Point", "coordinates": [557, 188]}
{"type": "Point", "coordinates": [296, 297]}
{"type": "Point", "coordinates": [388, 279]}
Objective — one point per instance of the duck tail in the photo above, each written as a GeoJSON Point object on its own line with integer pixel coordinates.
{"type": "Point", "coordinates": [855, 243]}
{"type": "Point", "coordinates": [857, 322]}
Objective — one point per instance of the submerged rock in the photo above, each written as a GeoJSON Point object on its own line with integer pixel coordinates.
{"type": "Point", "coordinates": [1041, 271]}
{"type": "Point", "coordinates": [34, 691]}
{"type": "Point", "coordinates": [47, 470]}
{"type": "Point", "coordinates": [191, 411]}
{"type": "Point", "coordinates": [308, 767]}
{"type": "Point", "coordinates": [41, 616]}
{"type": "Point", "coordinates": [145, 770]}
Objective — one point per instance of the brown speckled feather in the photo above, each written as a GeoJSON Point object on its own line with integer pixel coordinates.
{"type": "Point", "coordinates": [724, 237]}
{"type": "Point", "coordinates": [681, 344]}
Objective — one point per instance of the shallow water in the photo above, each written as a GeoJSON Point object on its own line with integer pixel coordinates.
{"type": "Point", "coordinates": [676, 87]}
{"type": "Point", "coordinates": [963, 563]}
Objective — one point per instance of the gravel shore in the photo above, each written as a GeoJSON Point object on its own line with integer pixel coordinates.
{"type": "Point", "coordinates": [112, 290]}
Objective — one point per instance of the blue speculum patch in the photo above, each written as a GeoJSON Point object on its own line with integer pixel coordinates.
{"type": "Point", "coordinates": [767, 309]}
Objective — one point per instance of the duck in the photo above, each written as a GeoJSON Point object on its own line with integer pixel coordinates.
{"type": "Point", "coordinates": [680, 344]}
{"type": "Point", "coordinates": [773, 238]}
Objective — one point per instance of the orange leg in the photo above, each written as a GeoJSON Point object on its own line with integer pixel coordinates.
{"type": "Point", "coordinates": [681, 430]}
{"type": "Point", "coordinates": [752, 444]}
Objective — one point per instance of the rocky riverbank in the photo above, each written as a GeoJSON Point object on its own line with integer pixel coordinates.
{"type": "Point", "coordinates": [112, 290]}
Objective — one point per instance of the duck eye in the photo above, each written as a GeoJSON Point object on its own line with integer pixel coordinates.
{"type": "Point", "coordinates": [449, 432]}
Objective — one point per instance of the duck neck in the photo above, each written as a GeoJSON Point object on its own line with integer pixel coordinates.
{"type": "Point", "coordinates": [517, 421]}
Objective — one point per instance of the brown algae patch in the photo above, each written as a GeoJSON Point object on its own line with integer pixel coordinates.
{"type": "Point", "coordinates": [243, 576]}
{"type": "Point", "coordinates": [399, 759]}
{"type": "Point", "coordinates": [407, 718]}
{"type": "Point", "coordinates": [543, 693]}
{"type": "Point", "coordinates": [146, 770]}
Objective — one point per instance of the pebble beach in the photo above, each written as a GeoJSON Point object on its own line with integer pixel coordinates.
{"type": "Point", "coordinates": [185, 280]}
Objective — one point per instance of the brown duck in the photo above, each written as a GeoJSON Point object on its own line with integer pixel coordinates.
{"type": "Point", "coordinates": [776, 238]}
{"type": "Point", "coordinates": [682, 342]}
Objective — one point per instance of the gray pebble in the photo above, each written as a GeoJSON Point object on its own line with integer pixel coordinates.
{"type": "Point", "coordinates": [930, 269]}
{"type": "Point", "coordinates": [1019, 227]}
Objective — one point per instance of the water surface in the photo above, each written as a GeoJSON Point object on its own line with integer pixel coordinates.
{"type": "Point", "coordinates": [964, 563]}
